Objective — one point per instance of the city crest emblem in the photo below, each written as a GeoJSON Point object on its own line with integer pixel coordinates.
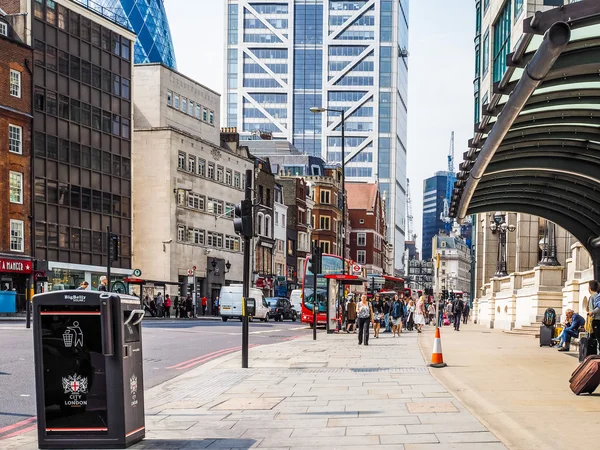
{"type": "Point", "coordinates": [75, 384]}
{"type": "Point", "coordinates": [133, 384]}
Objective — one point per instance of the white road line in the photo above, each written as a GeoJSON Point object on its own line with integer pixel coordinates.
{"type": "Point", "coordinates": [264, 331]}
{"type": "Point", "coordinates": [299, 328]}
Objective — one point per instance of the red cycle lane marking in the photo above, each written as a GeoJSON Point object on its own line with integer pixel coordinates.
{"type": "Point", "coordinates": [18, 433]}
{"type": "Point", "coordinates": [190, 361]}
{"type": "Point", "coordinates": [17, 425]}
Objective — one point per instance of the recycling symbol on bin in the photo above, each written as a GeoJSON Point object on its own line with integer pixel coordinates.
{"type": "Point", "coordinates": [73, 336]}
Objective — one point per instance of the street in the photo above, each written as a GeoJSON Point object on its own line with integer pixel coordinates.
{"type": "Point", "coordinates": [171, 348]}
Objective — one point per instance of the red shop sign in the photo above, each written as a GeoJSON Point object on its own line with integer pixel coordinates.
{"type": "Point", "coordinates": [15, 266]}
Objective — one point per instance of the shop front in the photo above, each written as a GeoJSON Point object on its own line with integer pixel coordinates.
{"type": "Point", "coordinates": [63, 276]}
{"type": "Point", "coordinates": [14, 275]}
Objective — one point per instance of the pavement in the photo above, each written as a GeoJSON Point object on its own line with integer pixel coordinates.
{"type": "Point", "coordinates": [518, 389]}
{"type": "Point", "coordinates": [302, 394]}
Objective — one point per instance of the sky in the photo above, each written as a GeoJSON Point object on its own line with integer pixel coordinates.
{"type": "Point", "coordinates": [440, 85]}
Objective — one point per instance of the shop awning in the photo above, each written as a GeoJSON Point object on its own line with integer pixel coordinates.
{"type": "Point", "coordinates": [157, 283]}
{"type": "Point", "coordinates": [537, 148]}
{"type": "Point", "coordinates": [346, 279]}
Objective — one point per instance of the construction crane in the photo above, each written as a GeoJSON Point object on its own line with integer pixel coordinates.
{"type": "Point", "coordinates": [412, 236]}
{"type": "Point", "coordinates": [451, 178]}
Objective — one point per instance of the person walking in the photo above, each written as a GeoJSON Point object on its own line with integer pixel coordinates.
{"type": "Point", "coordinates": [420, 314]}
{"type": "Point", "coordinates": [365, 317]}
{"type": "Point", "coordinates": [204, 302]}
{"type": "Point", "coordinates": [594, 310]}
{"type": "Point", "coordinates": [176, 306]}
{"type": "Point", "coordinates": [377, 315]}
{"type": "Point", "coordinates": [396, 316]}
{"type": "Point", "coordinates": [466, 312]}
{"type": "Point", "coordinates": [431, 313]}
{"type": "Point", "coordinates": [351, 316]}
{"type": "Point", "coordinates": [189, 306]}
{"type": "Point", "coordinates": [457, 309]}
{"type": "Point", "coordinates": [168, 306]}
{"type": "Point", "coordinates": [387, 306]}
{"type": "Point", "coordinates": [160, 305]}
{"type": "Point", "coordinates": [410, 320]}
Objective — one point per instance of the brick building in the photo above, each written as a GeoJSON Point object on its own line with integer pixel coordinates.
{"type": "Point", "coordinates": [264, 242]}
{"type": "Point", "coordinates": [15, 159]}
{"type": "Point", "coordinates": [368, 246]}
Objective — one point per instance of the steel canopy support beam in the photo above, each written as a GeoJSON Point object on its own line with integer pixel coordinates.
{"type": "Point", "coordinates": [555, 41]}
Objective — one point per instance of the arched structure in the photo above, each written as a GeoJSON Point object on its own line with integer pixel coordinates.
{"type": "Point", "coordinates": [537, 148]}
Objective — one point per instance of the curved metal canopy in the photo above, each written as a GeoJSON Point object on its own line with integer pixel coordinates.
{"type": "Point", "coordinates": [537, 148]}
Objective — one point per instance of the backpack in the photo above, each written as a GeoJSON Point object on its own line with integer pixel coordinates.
{"type": "Point", "coordinates": [549, 317]}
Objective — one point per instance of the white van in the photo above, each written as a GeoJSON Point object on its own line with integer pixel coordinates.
{"type": "Point", "coordinates": [231, 303]}
{"type": "Point", "coordinates": [296, 300]}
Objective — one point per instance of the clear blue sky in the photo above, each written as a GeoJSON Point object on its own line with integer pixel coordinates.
{"type": "Point", "coordinates": [441, 68]}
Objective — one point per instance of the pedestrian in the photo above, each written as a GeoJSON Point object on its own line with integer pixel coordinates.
{"type": "Point", "coordinates": [83, 286]}
{"type": "Point", "coordinates": [431, 313]}
{"type": "Point", "coordinates": [410, 320]}
{"type": "Point", "coordinates": [377, 315]}
{"type": "Point", "coordinates": [216, 306]}
{"type": "Point", "coordinates": [204, 302]}
{"type": "Point", "coordinates": [351, 316]}
{"type": "Point", "coordinates": [594, 309]}
{"type": "Point", "coordinates": [396, 316]}
{"type": "Point", "coordinates": [168, 306]}
{"type": "Point", "coordinates": [189, 306]}
{"type": "Point", "coordinates": [450, 310]}
{"type": "Point", "coordinates": [404, 302]}
{"type": "Point", "coordinates": [420, 314]}
{"type": "Point", "coordinates": [457, 309]}
{"type": "Point", "coordinates": [365, 317]}
{"type": "Point", "coordinates": [160, 304]}
{"type": "Point", "coordinates": [148, 306]}
{"type": "Point", "coordinates": [176, 306]}
{"type": "Point", "coordinates": [466, 312]}
{"type": "Point", "coordinates": [103, 284]}
{"type": "Point", "coordinates": [387, 306]}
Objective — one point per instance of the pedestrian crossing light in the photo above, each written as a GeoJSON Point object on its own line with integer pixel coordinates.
{"type": "Point", "coordinates": [242, 223]}
{"type": "Point", "coordinates": [315, 264]}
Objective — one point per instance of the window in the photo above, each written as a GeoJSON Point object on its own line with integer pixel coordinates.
{"type": "Point", "coordinates": [214, 239]}
{"type": "Point", "coordinates": [290, 247]}
{"type": "Point", "coordinates": [195, 201]}
{"type": "Point", "coordinates": [228, 177]}
{"type": "Point", "coordinates": [229, 210]}
{"type": "Point", "coordinates": [192, 164]}
{"type": "Point", "coordinates": [16, 236]}
{"type": "Point", "coordinates": [283, 223]}
{"type": "Point", "coordinates": [236, 180]}
{"type": "Point", "coordinates": [502, 29]}
{"type": "Point", "coordinates": [486, 52]}
{"type": "Point", "coordinates": [201, 167]}
{"type": "Point", "coordinates": [324, 246]}
{"type": "Point", "coordinates": [211, 118]}
{"type": "Point", "coordinates": [180, 197]}
{"type": "Point", "coordinates": [268, 226]}
{"type": "Point", "coordinates": [232, 243]}
{"type": "Point", "coordinates": [191, 108]}
{"type": "Point", "coordinates": [325, 197]}
{"type": "Point", "coordinates": [276, 218]}
{"type": "Point", "coordinates": [259, 223]}
{"type": "Point", "coordinates": [15, 83]}
{"type": "Point", "coordinates": [220, 174]}
{"type": "Point", "coordinates": [176, 101]}
{"type": "Point", "coordinates": [184, 104]}
{"type": "Point", "coordinates": [361, 256]}
{"type": "Point", "coordinates": [3, 28]}
{"type": "Point", "coordinates": [197, 111]}
{"type": "Point", "coordinates": [215, 206]}
{"type": "Point", "coordinates": [170, 98]}
{"type": "Point", "coordinates": [15, 139]}
{"type": "Point", "coordinates": [211, 171]}
{"type": "Point", "coordinates": [181, 162]}
{"type": "Point", "coordinates": [181, 233]}
{"type": "Point", "coordinates": [196, 236]}
{"type": "Point", "coordinates": [16, 187]}
{"type": "Point", "coordinates": [204, 114]}
{"type": "Point", "coordinates": [361, 239]}
{"type": "Point", "coordinates": [325, 223]}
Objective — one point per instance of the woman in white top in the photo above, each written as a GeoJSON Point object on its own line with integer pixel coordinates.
{"type": "Point", "coordinates": [420, 314]}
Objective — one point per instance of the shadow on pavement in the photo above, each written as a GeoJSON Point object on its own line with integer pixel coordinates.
{"type": "Point", "coordinates": [173, 444]}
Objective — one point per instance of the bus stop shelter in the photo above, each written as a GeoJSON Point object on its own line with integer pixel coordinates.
{"type": "Point", "coordinates": [537, 148]}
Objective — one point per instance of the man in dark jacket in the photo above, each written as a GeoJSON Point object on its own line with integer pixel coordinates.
{"type": "Point", "coordinates": [575, 322]}
{"type": "Point", "coordinates": [466, 311]}
{"type": "Point", "coordinates": [457, 309]}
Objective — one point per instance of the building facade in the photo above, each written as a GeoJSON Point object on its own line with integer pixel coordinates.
{"type": "Point", "coordinates": [264, 240]}
{"type": "Point", "coordinates": [420, 274]}
{"type": "Point", "coordinates": [187, 178]}
{"type": "Point", "coordinates": [148, 20]}
{"type": "Point", "coordinates": [434, 196]}
{"type": "Point", "coordinates": [368, 246]}
{"type": "Point", "coordinates": [82, 142]}
{"type": "Point", "coordinates": [286, 57]}
{"type": "Point", "coordinates": [455, 263]}
{"type": "Point", "coordinates": [280, 236]}
{"type": "Point", "coordinates": [15, 161]}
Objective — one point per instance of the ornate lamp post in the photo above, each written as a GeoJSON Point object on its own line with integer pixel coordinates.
{"type": "Point", "coordinates": [548, 246]}
{"type": "Point", "coordinates": [499, 226]}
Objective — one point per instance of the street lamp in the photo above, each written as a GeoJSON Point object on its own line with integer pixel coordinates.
{"type": "Point", "coordinates": [548, 246]}
{"type": "Point", "coordinates": [319, 110]}
{"type": "Point", "coordinates": [499, 226]}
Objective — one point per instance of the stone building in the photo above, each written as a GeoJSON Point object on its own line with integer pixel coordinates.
{"type": "Point", "coordinates": [187, 178]}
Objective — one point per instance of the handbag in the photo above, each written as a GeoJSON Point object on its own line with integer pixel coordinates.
{"type": "Point", "coordinates": [588, 325]}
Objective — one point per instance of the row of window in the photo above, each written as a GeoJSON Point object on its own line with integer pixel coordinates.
{"type": "Point", "coordinates": [189, 107]}
{"type": "Point", "coordinates": [200, 202]}
{"type": "Point", "coordinates": [196, 236]}
{"type": "Point", "coordinates": [199, 166]}
{"type": "Point", "coordinates": [82, 27]}
{"type": "Point", "coordinates": [82, 113]}
{"type": "Point", "coordinates": [52, 235]}
{"type": "Point", "coordinates": [80, 70]}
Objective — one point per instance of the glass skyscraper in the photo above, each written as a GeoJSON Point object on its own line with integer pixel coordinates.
{"type": "Point", "coordinates": [147, 19]}
{"type": "Point", "coordinates": [286, 57]}
{"type": "Point", "coordinates": [434, 195]}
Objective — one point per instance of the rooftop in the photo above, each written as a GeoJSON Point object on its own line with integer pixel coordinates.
{"type": "Point", "coordinates": [106, 12]}
{"type": "Point", "coordinates": [361, 195]}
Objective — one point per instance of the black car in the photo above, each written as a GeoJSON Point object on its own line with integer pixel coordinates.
{"type": "Point", "coordinates": [280, 309]}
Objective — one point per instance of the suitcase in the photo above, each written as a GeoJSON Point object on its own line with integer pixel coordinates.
{"type": "Point", "coordinates": [586, 377]}
{"type": "Point", "coordinates": [546, 335]}
{"type": "Point", "coordinates": [588, 346]}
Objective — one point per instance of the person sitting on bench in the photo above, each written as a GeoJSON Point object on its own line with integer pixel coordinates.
{"type": "Point", "coordinates": [570, 331]}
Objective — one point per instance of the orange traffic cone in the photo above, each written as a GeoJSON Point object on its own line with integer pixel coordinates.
{"type": "Point", "coordinates": [437, 360]}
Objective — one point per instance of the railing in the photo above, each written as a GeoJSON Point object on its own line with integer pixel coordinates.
{"type": "Point", "coordinates": [105, 12]}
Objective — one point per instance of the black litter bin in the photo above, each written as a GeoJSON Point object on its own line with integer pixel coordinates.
{"type": "Point", "coordinates": [88, 369]}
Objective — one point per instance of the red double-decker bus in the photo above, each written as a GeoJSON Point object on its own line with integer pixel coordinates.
{"type": "Point", "coordinates": [327, 289]}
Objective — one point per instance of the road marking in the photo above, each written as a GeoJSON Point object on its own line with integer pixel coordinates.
{"type": "Point", "coordinates": [264, 331]}
{"type": "Point", "coordinates": [190, 361]}
{"type": "Point", "coordinates": [17, 425]}
{"type": "Point", "coordinates": [299, 328]}
{"type": "Point", "coordinates": [18, 433]}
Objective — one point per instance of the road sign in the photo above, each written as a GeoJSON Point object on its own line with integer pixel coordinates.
{"type": "Point", "coordinates": [194, 268]}
{"type": "Point", "coordinates": [137, 273]}
{"type": "Point", "coordinates": [356, 268]}
{"type": "Point", "coordinates": [190, 272]}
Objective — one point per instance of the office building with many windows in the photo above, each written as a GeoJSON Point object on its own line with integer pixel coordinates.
{"type": "Point", "coordinates": [148, 20]}
{"type": "Point", "coordinates": [434, 196]}
{"type": "Point", "coordinates": [284, 58]}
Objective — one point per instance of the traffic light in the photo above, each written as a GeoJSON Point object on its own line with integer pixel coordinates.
{"type": "Point", "coordinates": [316, 261]}
{"type": "Point", "coordinates": [242, 223]}
{"type": "Point", "coordinates": [114, 247]}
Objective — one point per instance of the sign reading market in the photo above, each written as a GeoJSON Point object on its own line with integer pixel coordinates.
{"type": "Point", "coordinates": [15, 266]}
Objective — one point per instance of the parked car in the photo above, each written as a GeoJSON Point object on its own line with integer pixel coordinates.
{"type": "Point", "coordinates": [231, 303]}
{"type": "Point", "coordinates": [281, 309]}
